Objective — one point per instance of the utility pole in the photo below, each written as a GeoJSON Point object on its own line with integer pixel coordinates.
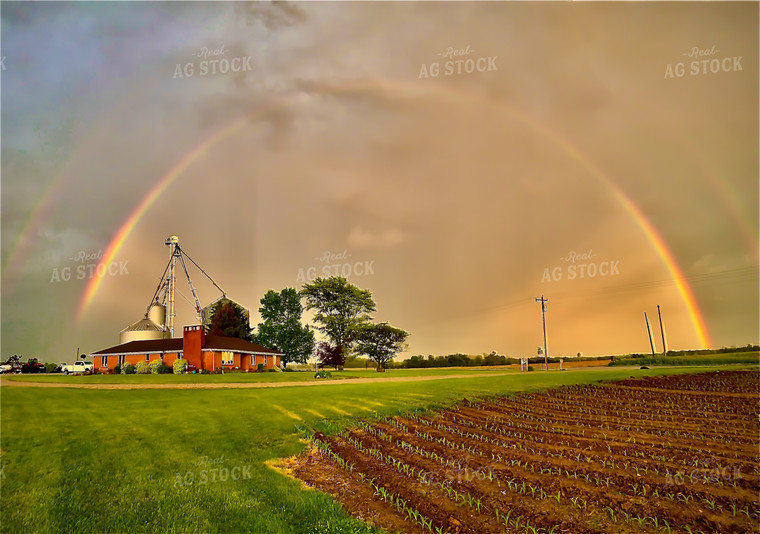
{"type": "Point", "coordinates": [649, 333]}
{"type": "Point", "coordinates": [662, 331]}
{"type": "Point", "coordinates": [543, 302]}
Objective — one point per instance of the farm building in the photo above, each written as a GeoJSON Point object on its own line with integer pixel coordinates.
{"type": "Point", "coordinates": [205, 351]}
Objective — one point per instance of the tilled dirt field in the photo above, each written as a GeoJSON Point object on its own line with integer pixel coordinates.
{"type": "Point", "coordinates": [660, 454]}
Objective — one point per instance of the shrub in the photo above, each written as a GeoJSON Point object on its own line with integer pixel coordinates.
{"type": "Point", "coordinates": [51, 367]}
{"type": "Point", "coordinates": [154, 365]}
{"type": "Point", "coordinates": [117, 370]}
{"type": "Point", "coordinates": [164, 369]}
{"type": "Point", "coordinates": [142, 368]}
{"type": "Point", "coordinates": [530, 368]}
{"type": "Point", "coordinates": [180, 366]}
{"type": "Point", "coordinates": [127, 369]}
{"type": "Point", "coordinates": [205, 372]}
{"type": "Point", "coordinates": [323, 374]}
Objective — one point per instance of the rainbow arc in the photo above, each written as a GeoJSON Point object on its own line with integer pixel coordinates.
{"type": "Point", "coordinates": [385, 90]}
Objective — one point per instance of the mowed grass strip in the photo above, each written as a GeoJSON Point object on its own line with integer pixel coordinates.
{"type": "Point", "coordinates": [230, 378]}
{"type": "Point", "coordinates": [141, 460]}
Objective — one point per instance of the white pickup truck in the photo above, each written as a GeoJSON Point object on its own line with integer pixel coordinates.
{"type": "Point", "coordinates": [77, 367]}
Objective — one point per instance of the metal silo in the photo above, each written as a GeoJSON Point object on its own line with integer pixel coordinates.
{"type": "Point", "coordinates": [141, 330]}
{"type": "Point", "coordinates": [157, 314]}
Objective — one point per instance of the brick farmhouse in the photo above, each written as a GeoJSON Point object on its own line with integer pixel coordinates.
{"type": "Point", "coordinates": [202, 350]}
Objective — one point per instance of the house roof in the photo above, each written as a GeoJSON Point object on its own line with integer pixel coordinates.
{"type": "Point", "coordinates": [176, 345]}
{"type": "Point", "coordinates": [144, 346]}
{"type": "Point", "coordinates": [235, 344]}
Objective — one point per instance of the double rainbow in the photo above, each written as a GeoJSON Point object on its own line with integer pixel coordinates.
{"type": "Point", "coordinates": [383, 90]}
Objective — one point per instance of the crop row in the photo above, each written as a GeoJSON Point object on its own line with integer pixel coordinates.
{"type": "Point", "coordinates": [584, 463]}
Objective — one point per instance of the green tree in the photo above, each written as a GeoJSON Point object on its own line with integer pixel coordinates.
{"type": "Point", "coordinates": [281, 328]}
{"type": "Point", "coordinates": [341, 309]}
{"type": "Point", "coordinates": [229, 319]}
{"type": "Point", "coordinates": [380, 342]}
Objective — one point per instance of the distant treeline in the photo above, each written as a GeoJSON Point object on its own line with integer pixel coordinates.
{"type": "Point", "coordinates": [451, 360]}
{"type": "Point", "coordinates": [456, 360]}
{"type": "Point", "coordinates": [465, 360]}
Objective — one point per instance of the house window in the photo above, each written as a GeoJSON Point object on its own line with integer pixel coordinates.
{"type": "Point", "coordinates": [104, 361]}
{"type": "Point", "coordinates": [147, 357]}
{"type": "Point", "coordinates": [121, 359]}
{"type": "Point", "coordinates": [227, 357]}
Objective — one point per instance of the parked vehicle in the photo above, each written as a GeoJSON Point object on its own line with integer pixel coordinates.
{"type": "Point", "coordinates": [77, 368]}
{"type": "Point", "coordinates": [12, 365]}
{"type": "Point", "coordinates": [33, 366]}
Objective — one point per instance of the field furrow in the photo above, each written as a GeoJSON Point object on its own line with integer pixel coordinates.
{"type": "Point", "coordinates": [576, 459]}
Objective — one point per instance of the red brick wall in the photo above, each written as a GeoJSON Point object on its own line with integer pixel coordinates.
{"type": "Point", "coordinates": [208, 361]}
{"type": "Point", "coordinates": [256, 359]}
{"type": "Point", "coordinates": [170, 358]}
{"type": "Point", "coordinates": [192, 344]}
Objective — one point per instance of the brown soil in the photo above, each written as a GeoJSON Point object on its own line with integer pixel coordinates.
{"type": "Point", "coordinates": [576, 459]}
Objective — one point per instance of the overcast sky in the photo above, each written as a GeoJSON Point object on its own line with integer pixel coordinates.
{"type": "Point", "coordinates": [456, 197]}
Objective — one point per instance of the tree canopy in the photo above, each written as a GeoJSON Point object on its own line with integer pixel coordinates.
{"type": "Point", "coordinates": [380, 342]}
{"type": "Point", "coordinates": [328, 354]}
{"type": "Point", "coordinates": [229, 319]}
{"type": "Point", "coordinates": [281, 328]}
{"type": "Point", "coordinates": [341, 309]}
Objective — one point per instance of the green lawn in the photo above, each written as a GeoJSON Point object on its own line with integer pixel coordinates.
{"type": "Point", "coordinates": [690, 359]}
{"type": "Point", "coordinates": [298, 376]}
{"type": "Point", "coordinates": [77, 460]}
